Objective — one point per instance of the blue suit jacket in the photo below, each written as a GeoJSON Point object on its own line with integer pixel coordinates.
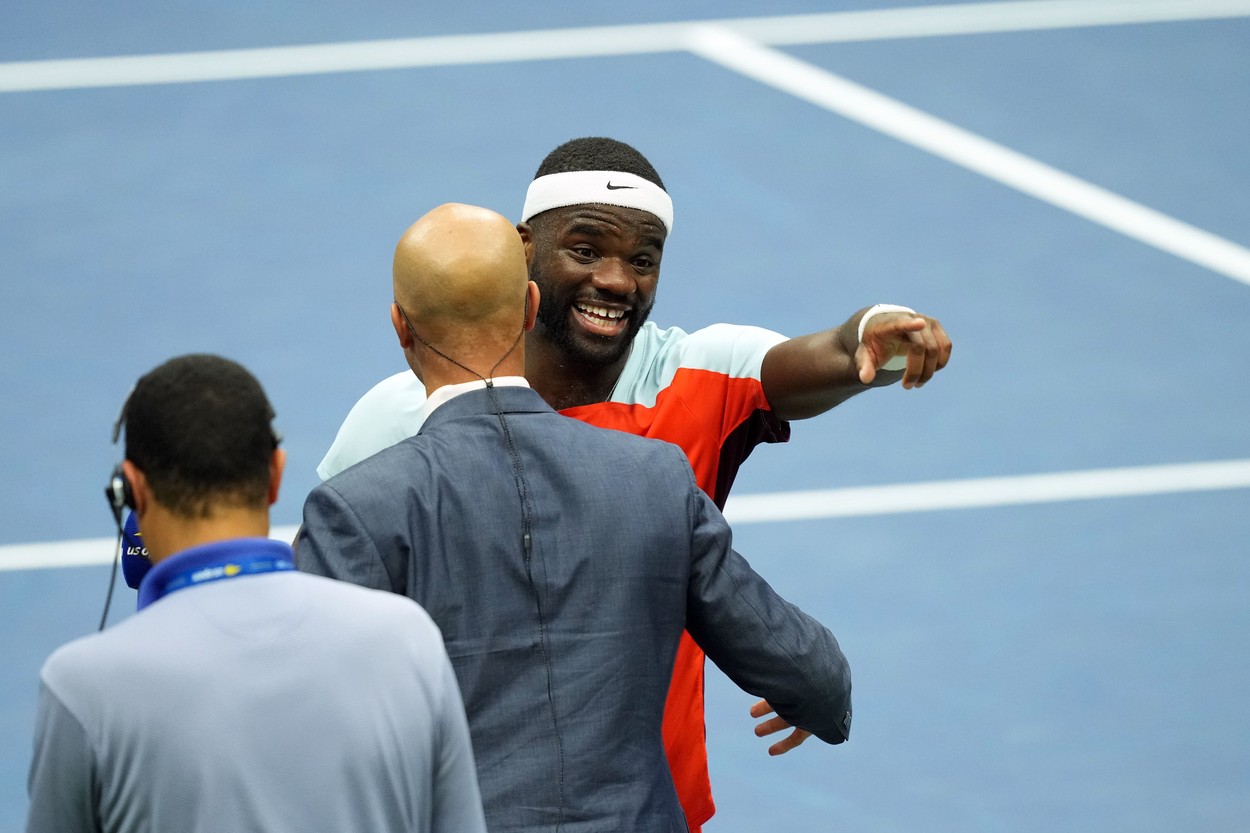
{"type": "Point", "coordinates": [563, 647]}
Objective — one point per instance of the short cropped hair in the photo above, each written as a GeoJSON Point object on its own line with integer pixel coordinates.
{"type": "Point", "coordinates": [200, 429]}
{"type": "Point", "coordinates": [598, 153]}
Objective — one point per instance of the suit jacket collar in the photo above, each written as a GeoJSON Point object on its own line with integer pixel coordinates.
{"type": "Point", "coordinates": [512, 400]}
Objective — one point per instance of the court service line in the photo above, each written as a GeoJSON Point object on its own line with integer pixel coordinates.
{"type": "Point", "coordinates": [551, 44]}
{"type": "Point", "coordinates": [891, 117]}
{"type": "Point", "coordinates": [827, 503]}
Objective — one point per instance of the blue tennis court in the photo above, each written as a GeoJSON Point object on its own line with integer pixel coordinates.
{"type": "Point", "coordinates": [1036, 564]}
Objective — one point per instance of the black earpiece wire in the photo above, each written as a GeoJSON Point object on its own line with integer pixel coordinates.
{"type": "Point", "coordinates": [108, 600]}
{"type": "Point", "coordinates": [117, 510]}
{"type": "Point", "coordinates": [527, 512]}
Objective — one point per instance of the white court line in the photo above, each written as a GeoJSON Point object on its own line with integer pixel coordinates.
{"type": "Point", "coordinates": [83, 552]}
{"type": "Point", "coordinates": [363, 56]}
{"type": "Point", "coordinates": [357, 56]}
{"type": "Point", "coordinates": [989, 491]}
{"type": "Point", "coordinates": [727, 44]}
{"type": "Point", "coordinates": [954, 144]}
{"type": "Point", "coordinates": [976, 19]}
{"type": "Point", "coordinates": [828, 503]}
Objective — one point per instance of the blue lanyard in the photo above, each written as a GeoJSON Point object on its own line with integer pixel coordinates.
{"type": "Point", "coordinates": [215, 562]}
{"type": "Point", "coordinates": [235, 567]}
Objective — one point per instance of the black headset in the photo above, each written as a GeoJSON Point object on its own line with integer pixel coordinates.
{"type": "Point", "coordinates": [120, 496]}
{"type": "Point", "coordinates": [118, 491]}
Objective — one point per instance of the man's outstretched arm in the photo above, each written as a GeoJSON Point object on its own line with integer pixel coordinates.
{"type": "Point", "coordinates": [810, 374]}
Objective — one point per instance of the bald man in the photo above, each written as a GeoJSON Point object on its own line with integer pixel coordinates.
{"type": "Point", "coordinates": [460, 279]}
{"type": "Point", "coordinates": [560, 561]}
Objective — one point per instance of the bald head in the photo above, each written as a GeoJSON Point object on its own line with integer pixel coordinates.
{"type": "Point", "coordinates": [461, 277]}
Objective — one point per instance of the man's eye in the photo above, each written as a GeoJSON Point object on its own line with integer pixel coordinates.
{"type": "Point", "coordinates": [583, 251]}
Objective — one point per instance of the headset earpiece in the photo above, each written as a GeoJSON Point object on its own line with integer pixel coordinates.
{"type": "Point", "coordinates": [119, 494]}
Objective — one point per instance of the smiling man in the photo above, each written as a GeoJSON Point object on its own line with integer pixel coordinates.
{"type": "Point", "coordinates": [595, 223]}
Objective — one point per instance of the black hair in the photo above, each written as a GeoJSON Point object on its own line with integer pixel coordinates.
{"type": "Point", "coordinates": [200, 429]}
{"type": "Point", "coordinates": [598, 153]}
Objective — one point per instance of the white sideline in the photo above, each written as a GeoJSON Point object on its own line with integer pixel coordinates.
{"type": "Point", "coordinates": [954, 144]}
{"type": "Point", "coordinates": [827, 503]}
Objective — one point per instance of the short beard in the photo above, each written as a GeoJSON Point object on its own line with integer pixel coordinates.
{"type": "Point", "coordinates": [555, 320]}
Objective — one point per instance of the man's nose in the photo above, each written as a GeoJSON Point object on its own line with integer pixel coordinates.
{"type": "Point", "coordinates": [615, 276]}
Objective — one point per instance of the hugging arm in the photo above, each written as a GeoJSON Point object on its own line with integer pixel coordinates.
{"type": "Point", "coordinates": [767, 646]}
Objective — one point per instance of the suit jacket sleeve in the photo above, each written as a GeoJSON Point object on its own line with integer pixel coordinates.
{"type": "Point", "coordinates": [63, 786]}
{"type": "Point", "coordinates": [767, 646]}
{"type": "Point", "coordinates": [334, 542]}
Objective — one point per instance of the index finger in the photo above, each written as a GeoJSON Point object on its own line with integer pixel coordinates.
{"type": "Point", "coordinates": [898, 322]}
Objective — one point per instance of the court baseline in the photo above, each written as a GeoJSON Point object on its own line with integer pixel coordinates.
{"type": "Point", "coordinates": [598, 41]}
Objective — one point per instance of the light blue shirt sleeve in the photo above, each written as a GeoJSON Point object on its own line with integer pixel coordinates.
{"type": "Point", "coordinates": [62, 782]}
{"type": "Point", "coordinates": [389, 413]}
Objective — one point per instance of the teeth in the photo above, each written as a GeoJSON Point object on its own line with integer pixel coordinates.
{"type": "Point", "coordinates": [601, 312]}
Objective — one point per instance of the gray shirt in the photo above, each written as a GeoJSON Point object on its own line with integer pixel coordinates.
{"type": "Point", "coordinates": [277, 702]}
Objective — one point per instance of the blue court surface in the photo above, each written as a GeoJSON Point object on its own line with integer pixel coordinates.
{"type": "Point", "coordinates": [1036, 564]}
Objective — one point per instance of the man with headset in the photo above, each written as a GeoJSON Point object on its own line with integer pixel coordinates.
{"type": "Point", "coordinates": [561, 561]}
{"type": "Point", "coordinates": [243, 695]}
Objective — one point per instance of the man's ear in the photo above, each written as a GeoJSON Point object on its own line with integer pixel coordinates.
{"type": "Point", "coordinates": [401, 327]}
{"type": "Point", "coordinates": [527, 239]}
{"type": "Point", "coordinates": [277, 465]}
{"type": "Point", "coordinates": [532, 297]}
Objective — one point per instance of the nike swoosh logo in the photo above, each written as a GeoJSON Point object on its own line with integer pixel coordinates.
{"type": "Point", "coordinates": [612, 187]}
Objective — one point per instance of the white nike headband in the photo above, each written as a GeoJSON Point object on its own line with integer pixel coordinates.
{"type": "Point", "coordinates": [606, 187]}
